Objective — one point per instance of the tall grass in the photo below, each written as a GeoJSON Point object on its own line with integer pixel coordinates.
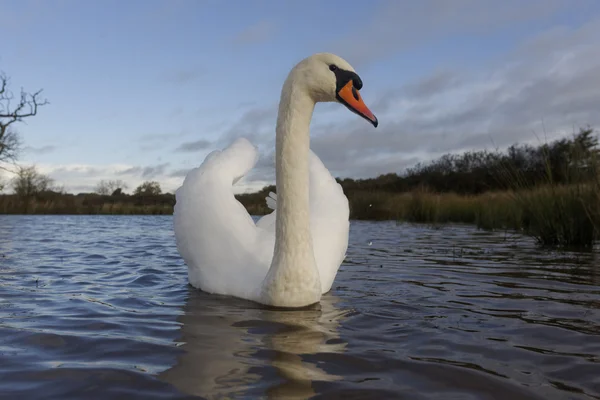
{"type": "Point", "coordinates": [561, 214]}
{"type": "Point", "coordinates": [92, 204]}
{"type": "Point", "coordinates": [491, 210]}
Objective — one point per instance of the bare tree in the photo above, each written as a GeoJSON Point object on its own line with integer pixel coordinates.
{"type": "Point", "coordinates": [110, 187]}
{"type": "Point", "coordinates": [14, 109]}
{"type": "Point", "coordinates": [10, 144]}
{"type": "Point", "coordinates": [29, 182]}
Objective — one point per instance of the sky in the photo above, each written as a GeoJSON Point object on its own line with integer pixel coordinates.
{"type": "Point", "coordinates": [144, 89]}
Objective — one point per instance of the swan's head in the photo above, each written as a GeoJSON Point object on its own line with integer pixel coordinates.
{"type": "Point", "coordinates": [327, 77]}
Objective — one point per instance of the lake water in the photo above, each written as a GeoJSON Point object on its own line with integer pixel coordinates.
{"type": "Point", "coordinates": [99, 307]}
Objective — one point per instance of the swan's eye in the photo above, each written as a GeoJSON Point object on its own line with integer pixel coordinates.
{"type": "Point", "coordinates": [333, 67]}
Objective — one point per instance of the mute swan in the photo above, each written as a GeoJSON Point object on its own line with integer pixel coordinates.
{"type": "Point", "coordinates": [290, 257]}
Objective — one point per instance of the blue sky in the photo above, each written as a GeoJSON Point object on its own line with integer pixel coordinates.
{"type": "Point", "coordinates": [145, 89]}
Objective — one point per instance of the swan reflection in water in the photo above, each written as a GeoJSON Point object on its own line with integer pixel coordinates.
{"type": "Point", "coordinates": [232, 347]}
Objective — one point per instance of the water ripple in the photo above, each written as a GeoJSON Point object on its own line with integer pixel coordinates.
{"type": "Point", "coordinates": [99, 307]}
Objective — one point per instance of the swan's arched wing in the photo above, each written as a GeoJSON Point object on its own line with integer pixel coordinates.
{"type": "Point", "coordinates": [329, 212]}
{"type": "Point", "coordinates": [225, 251]}
{"type": "Point", "coordinates": [222, 247]}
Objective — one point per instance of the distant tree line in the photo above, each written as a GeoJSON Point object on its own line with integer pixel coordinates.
{"type": "Point", "coordinates": [562, 161]}
{"type": "Point", "coordinates": [35, 192]}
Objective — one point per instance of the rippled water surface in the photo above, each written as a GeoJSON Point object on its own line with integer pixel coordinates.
{"type": "Point", "coordinates": [99, 307]}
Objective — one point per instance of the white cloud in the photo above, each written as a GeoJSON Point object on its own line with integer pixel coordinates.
{"type": "Point", "coordinates": [83, 178]}
{"type": "Point", "coordinates": [547, 87]}
{"type": "Point", "coordinates": [401, 25]}
{"type": "Point", "coordinates": [40, 150]}
{"type": "Point", "coordinates": [550, 81]}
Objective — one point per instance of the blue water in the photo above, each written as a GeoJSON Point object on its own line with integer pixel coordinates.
{"type": "Point", "coordinates": [99, 307]}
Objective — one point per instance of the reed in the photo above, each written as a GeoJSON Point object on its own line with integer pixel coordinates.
{"type": "Point", "coordinates": [560, 215]}
{"type": "Point", "coordinates": [555, 215]}
{"type": "Point", "coordinates": [565, 209]}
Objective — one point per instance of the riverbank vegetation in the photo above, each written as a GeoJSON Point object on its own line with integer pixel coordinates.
{"type": "Point", "coordinates": [551, 192]}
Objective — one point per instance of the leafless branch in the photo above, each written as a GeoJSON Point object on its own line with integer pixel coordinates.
{"type": "Point", "coordinates": [26, 106]}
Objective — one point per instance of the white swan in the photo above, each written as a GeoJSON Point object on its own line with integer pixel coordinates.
{"type": "Point", "coordinates": [290, 257]}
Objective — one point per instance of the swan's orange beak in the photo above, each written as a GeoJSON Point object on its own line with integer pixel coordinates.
{"type": "Point", "coordinates": [350, 97]}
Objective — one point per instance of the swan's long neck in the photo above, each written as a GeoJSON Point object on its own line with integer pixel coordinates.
{"type": "Point", "coordinates": [293, 279]}
{"type": "Point", "coordinates": [291, 160]}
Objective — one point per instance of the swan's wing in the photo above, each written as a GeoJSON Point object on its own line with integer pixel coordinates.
{"type": "Point", "coordinates": [329, 213]}
{"type": "Point", "coordinates": [222, 247]}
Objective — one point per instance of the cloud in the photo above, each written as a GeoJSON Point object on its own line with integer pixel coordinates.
{"type": "Point", "coordinates": [78, 178]}
{"type": "Point", "coordinates": [425, 88]}
{"type": "Point", "coordinates": [83, 177]}
{"type": "Point", "coordinates": [154, 171]}
{"type": "Point", "coordinates": [147, 172]}
{"type": "Point", "coordinates": [158, 141]}
{"type": "Point", "coordinates": [397, 26]}
{"type": "Point", "coordinates": [431, 85]}
{"type": "Point", "coordinates": [254, 34]}
{"type": "Point", "coordinates": [256, 124]}
{"type": "Point", "coordinates": [180, 173]}
{"type": "Point", "coordinates": [197, 145]}
{"type": "Point", "coordinates": [552, 81]}
{"type": "Point", "coordinates": [545, 88]}
{"type": "Point", "coordinates": [40, 150]}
